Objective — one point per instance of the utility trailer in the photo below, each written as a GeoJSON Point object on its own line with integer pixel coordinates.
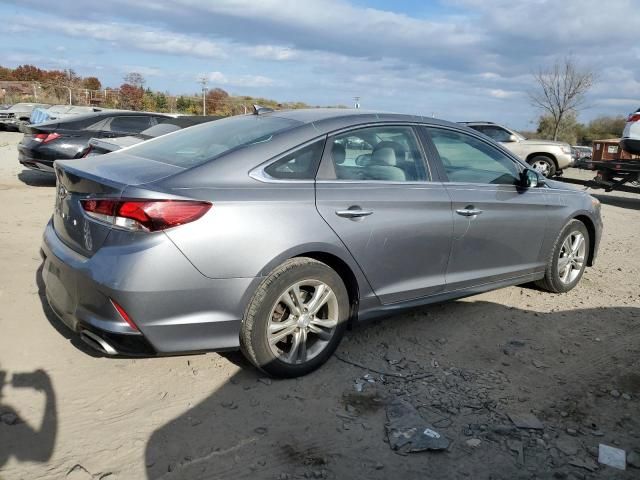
{"type": "Point", "coordinates": [612, 174]}
{"type": "Point", "coordinates": [614, 166]}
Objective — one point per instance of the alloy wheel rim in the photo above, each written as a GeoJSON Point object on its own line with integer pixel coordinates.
{"type": "Point", "coordinates": [303, 321]}
{"type": "Point", "coordinates": [571, 258]}
{"type": "Point", "coordinates": [541, 166]}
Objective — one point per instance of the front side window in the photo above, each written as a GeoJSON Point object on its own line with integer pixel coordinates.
{"type": "Point", "coordinates": [470, 160]}
{"type": "Point", "coordinates": [299, 165]}
{"type": "Point", "coordinates": [385, 153]}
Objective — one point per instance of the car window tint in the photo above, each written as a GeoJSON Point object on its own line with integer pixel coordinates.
{"type": "Point", "coordinates": [202, 143]}
{"type": "Point", "coordinates": [130, 124]}
{"type": "Point", "coordinates": [299, 165]}
{"type": "Point", "coordinates": [385, 153]}
{"type": "Point", "coordinates": [470, 160]}
{"type": "Point", "coordinates": [100, 125]}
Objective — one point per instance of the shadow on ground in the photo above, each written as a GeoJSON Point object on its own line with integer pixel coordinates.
{"type": "Point", "coordinates": [37, 179]}
{"type": "Point", "coordinates": [18, 438]}
{"type": "Point", "coordinates": [495, 360]}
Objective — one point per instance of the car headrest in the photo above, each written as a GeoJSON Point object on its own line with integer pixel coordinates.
{"type": "Point", "coordinates": [338, 152]}
{"type": "Point", "coordinates": [384, 156]}
{"type": "Point", "coordinates": [398, 148]}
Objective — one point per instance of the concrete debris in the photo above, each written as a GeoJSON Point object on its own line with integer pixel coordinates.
{"type": "Point", "coordinates": [526, 420]}
{"type": "Point", "coordinates": [612, 457]}
{"type": "Point", "coordinates": [408, 432]}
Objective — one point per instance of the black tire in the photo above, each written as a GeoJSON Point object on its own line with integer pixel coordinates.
{"type": "Point", "coordinates": [254, 341]}
{"type": "Point", "coordinates": [552, 281]}
{"type": "Point", "coordinates": [549, 162]}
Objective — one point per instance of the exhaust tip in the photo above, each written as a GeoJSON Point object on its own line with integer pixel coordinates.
{"type": "Point", "coordinates": [97, 343]}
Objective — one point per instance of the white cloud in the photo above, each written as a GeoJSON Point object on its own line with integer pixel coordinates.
{"type": "Point", "coordinates": [499, 93]}
{"type": "Point", "coordinates": [219, 78]}
{"type": "Point", "coordinates": [127, 35]}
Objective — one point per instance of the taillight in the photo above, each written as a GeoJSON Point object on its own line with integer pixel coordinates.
{"type": "Point", "coordinates": [125, 316]}
{"type": "Point", "coordinates": [633, 117]}
{"type": "Point", "coordinates": [145, 215]}
{"type": "Point", "coordinates": [87, 151]}
{"type": "Point", "coordinates": [46, 137]}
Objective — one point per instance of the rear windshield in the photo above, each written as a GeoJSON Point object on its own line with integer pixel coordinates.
{"type": "Point", "coordinates": [199, 144]}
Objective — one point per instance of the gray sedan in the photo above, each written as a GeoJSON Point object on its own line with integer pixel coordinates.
{"type": "Point", "coordinates": [272, 232]}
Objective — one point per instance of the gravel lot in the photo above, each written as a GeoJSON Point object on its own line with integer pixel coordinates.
{"type": "Point", "coordinates": [467, 367]}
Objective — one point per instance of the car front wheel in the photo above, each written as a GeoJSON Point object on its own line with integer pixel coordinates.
{"type": "Point", "coordinates": [568, 258]}
{"type": "Point", "coordinates": [296, 318]}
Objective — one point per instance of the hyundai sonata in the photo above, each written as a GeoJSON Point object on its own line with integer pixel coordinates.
{"type": "Point", "coordinates": [272, 232]}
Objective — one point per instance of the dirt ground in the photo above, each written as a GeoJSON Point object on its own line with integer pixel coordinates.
{"type": "Point", "coordinates": [467, 367]}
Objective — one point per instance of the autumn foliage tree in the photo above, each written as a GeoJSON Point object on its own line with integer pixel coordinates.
{"type": "Point", "coordinates": [131, 97]}
{"type": "Point", "coordinates": [217, 102]}
{"type": "Point", "coordinates": [91, 83]}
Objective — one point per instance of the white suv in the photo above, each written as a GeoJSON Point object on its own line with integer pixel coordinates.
{"type": "Point", "coordinates": [631, 134]}
{"type": "Point", "coordinates": [545, 156]}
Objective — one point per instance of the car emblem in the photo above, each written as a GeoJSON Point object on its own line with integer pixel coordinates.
{"type": "Point", "coordinates": [62, 192]}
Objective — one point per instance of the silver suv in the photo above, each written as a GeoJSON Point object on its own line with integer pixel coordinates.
{"type": "Point", "coordinates": [545, 156]}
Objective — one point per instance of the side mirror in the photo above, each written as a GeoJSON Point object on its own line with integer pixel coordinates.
{"type": "Point", "coordinates": [512, 138]}
{"type": "Point", "coordinates": [531, 179]}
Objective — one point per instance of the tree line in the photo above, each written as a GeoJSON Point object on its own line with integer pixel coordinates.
{"type": "Point", "coordinates": [133, 94]}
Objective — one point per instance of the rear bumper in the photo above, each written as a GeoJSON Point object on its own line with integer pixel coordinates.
{"type": "Point", "coordinates": [631, 145]}
{"type": "Point", "coordinates": [175, 307]}
{"type": "Point", "coordinates": [26, 159]}
{"type": "Point", "coordinates": [564, 160]}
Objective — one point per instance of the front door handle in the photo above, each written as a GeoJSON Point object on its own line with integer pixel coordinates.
{"type": "Point", "coordinates": [468, 212]}
{"type": "Point", "coordinates": [355, 213]}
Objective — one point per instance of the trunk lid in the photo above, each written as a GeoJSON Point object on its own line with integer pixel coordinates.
{"type": "Point", "coordinates": [96, 178]}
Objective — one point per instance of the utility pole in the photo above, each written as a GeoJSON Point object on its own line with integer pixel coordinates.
{"type": "Point", "coordinates": [356, 101]}
{"type": "Point", "coordinates": [203, 82]}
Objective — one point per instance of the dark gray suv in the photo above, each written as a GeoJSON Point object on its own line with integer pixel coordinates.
{"type": "Point", "coordinates": [271, 232]}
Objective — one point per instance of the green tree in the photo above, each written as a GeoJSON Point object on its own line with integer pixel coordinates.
{"type": "Point", "coordinates": [162, 103]}
{"type": "Point", "coordinates": [566, 131]}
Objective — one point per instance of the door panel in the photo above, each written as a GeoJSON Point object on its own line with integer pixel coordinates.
{"type": "Point", "coordinates": [372, 190]}
{"type": "Point", "coordinates": [403, 245]}
{"type": "Point", "coordinates": [499, 226]}
{"type": "Point", "coordinates": [503, 241]}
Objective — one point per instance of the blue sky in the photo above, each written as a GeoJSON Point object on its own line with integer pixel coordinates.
{"type": "Point", "coordinates": [456, 59]}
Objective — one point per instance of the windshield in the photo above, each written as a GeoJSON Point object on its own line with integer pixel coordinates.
{"type": "Point", "coordinates": [199, 144]}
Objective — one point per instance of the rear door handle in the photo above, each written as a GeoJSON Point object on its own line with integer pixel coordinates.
{"type": "Point", "coordinates": [468, 212]}
{"type": "Point", "coordinates": [355, 213]}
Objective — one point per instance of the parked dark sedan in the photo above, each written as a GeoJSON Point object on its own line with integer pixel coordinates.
{"type": "Point", "coordinates": [270, 232]}
{"type": "Point", "coordinates": [100, 146]}
{"type": "Point", "coordinates": [69, 138]}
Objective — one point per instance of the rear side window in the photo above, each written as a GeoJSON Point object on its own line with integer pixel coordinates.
{"type": "Point", "coordinates": [130, 124]}
{"type": "Point", "coordinates": [299, 165]}
{"type": "Point", "coordinates": [467, 159]}
{"type": "Point", "coordinates": [201, 143]}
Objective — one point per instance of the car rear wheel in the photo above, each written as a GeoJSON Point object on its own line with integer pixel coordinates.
{"type": "Point", "coordinates": [296, 318]}
{"type": "Point", "coordinates": [568, 259]}
{"type": "Point", "coordinates": [543, 165]}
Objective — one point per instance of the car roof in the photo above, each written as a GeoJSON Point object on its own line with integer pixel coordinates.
{"type": "Point", "coordinates": [327, 119]}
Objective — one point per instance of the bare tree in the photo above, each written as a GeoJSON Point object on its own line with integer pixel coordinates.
{"type": "Point", "coordinates": [562, 90]}
{"type": "Point", "coordinates": [134, 78]}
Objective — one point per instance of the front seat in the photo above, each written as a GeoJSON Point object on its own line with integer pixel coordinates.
{"type": "Point", "coordinates": [343, 172]}
{"type": "Point", "coordinates": [383, 166]}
